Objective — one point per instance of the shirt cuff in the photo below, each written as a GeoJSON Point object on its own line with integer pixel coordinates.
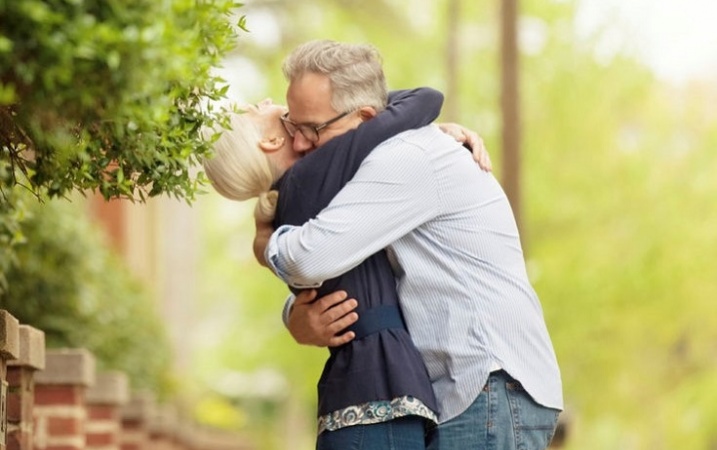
{"type": "Point", "coordinates": [286, 312]}
{"type": "Point", "coordinates": [274, 260]}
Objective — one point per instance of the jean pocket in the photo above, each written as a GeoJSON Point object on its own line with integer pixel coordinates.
{"type": "Point", "coordinates": [533, 424]}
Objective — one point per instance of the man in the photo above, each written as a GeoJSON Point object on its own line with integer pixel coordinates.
{"type": "Point", "coordinates": [461, 276]}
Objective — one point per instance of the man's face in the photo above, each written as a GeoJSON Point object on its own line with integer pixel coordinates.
{"type": "Point", "coordinates": [267, 115]}
{"type": "Point", "coordinates": [309, 101]}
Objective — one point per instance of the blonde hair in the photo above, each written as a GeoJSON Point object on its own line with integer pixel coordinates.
{"type": "Point", "coordinates": [354, 71]}
{"type": "Point", "coordinates": [238, 169]}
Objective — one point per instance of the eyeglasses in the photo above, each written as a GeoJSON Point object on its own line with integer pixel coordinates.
{"type": "Point", "coordinates": [310, 132]}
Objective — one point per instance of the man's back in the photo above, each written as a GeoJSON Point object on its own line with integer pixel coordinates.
{"type": "Point", "coordinates": [463, 286]}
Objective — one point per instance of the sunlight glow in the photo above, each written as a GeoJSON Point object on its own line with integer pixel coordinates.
{"type": "Point", "coordinates": [676, 38]}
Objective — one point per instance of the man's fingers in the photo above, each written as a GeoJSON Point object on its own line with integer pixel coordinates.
{"type": "Point", "coordinates": [342, 339]}
{"type": "Point", "coordinates": [341, 323]}
{"type": "Point", "coordinates": [329, 301]}
{"type": "Point", "coordinates": [333, 314]}
{"type": "Point", "coordinates": [305, 297]}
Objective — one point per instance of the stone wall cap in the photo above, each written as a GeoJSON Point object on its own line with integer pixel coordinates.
{"type": "Point", "coordinates": [9, 336]}
{"type": "Point", "coordinates": [32, 348]}
{"type": "Point", "coordinates": [110, 388]}
{"type": "Point", "coordinates": [74, 366]}
{"type": "Point", "coordinates": [140, 407]}
{"type": "Point", "coordinates": [164, 421]}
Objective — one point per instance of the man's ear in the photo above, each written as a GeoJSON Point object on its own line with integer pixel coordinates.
{"type": "Point", "coordinates": [270, 145]}
{"type": "Point", "coordinates": [367, 113]}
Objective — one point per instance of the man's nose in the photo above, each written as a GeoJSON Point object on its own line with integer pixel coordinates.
{"type": "Point", "coordinates": [301, 144]}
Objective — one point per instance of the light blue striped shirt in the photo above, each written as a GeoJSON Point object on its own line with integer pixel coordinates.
{"type": "Point", "coordinates": [461, 276]}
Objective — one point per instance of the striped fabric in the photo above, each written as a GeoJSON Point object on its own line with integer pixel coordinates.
{"type": "Point", "coordinates": [461, 276]}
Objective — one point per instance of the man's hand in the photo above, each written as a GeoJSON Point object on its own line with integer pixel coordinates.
{"type": "Point", "coordinates": [470, 139]}
{"type": "Point", "coordinates": [317, 322]}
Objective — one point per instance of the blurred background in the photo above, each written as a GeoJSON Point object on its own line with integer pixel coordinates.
{"type": "Point", "coordinates": [616, 143]}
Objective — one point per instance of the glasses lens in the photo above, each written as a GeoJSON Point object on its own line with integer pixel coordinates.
{"type": "Point", "coordinates": [309, 133]}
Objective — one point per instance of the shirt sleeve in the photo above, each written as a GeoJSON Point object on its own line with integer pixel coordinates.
{"type": "Point", "coordinates": [393, 192]}
{"type": "Point", "coordinates": [286, 312]}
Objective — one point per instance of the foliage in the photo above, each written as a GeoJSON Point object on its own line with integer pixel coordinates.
{"type": "Point", "coordinates": [12, 213]}
{"type": "Point", "coordinates": [104, 96]}
{"type": "Point", "coordinates": [617, 164]}
{"type": "Point", "coordinates": [67, 283]}
{"type": "Point", "coordinates": [109, 95]}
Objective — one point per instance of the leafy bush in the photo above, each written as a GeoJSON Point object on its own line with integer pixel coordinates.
{"type": "Point", "coordinates": [109, 95]}
{"type": "Point", "coordinates": [66, 282]}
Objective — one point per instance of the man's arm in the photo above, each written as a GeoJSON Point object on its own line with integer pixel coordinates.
{"type": "Point", "coordinates": [303, 324]}
{"type": "Point", "coordinates": [468, 138]}
{"type": "Point", "coordinates": [407, 109]}
{"type": "Point", "coordinates": [392, 193]}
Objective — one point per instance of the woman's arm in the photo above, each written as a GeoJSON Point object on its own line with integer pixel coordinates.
{"type": "Point", "coordinates": [406, 110]}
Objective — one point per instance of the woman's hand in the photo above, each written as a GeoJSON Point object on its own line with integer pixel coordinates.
{"type": "Point", "coordinates": [470, 139]}
{"type": "Point", "coordinates": [261, 240]}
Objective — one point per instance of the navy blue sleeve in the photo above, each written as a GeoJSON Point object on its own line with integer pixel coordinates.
{"type": "Point", "coordinates": [312, 182]}
{"type": "Point", "coordinates": [406, 110]}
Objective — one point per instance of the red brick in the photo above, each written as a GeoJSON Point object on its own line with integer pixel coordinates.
{"type": "Point", "coordinates": [14, 406]}
{"type": "Point", "coordinates": [59, 395]}
{"type": "Point", "coordinates": [101, 439]}
{"type": "Point", "coordinates": [102, 412]}
{"type": "Point", "coordinates": [132, 425]}
{"type": "Point", "coordinates": [18, 440]}
{"type": "Point", "coordinates": [64, 426]}
{"type": "Point", "coordinates": [14, 376]}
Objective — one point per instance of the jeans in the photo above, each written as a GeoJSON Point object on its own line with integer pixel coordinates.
{"type": "Point", "coordinates": [406, 433]}
{"type": "Point", "coordinates": [503, 417]}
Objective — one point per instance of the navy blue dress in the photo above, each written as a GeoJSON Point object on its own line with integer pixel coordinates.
{"type": "Point", "coordinates": [381, 363]}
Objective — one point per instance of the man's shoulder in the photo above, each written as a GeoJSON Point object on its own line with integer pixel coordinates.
{"type": "Point", "coordinates": [425, 138]}
{"type": "Point", "coordinates": [418, 133]}
{"type": "Point", "coordinates": [408, 153]}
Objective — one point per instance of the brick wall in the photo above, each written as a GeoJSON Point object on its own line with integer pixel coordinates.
{"type": "Point", "coordinates": [9, 350]}
{"type": "Point", "coordinates": [104, 403]}
{"type": "Point", "coordinates": [55, 400]}
{"type": "Point", "coordinates": [21, 394]}
{"type": "Point", "coordinates": [59, 411]}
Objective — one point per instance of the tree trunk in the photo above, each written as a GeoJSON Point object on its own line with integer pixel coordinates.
{"type": "Point", "coordinates": [451, 108]}
{"type": "Point", "coordinates": [510, 106]}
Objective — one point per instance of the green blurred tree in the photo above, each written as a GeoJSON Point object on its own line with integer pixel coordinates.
{"type": "Point", "coordinates": [617, 191]}
{"type": "Point", "coordinates": [618, 183]}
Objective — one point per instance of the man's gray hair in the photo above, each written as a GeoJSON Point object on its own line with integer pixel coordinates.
{"type": "Point", "coordinates": [354, 70]}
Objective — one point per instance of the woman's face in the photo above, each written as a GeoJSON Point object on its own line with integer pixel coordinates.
{"type": "Point", "coordinates": [267, 115]}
